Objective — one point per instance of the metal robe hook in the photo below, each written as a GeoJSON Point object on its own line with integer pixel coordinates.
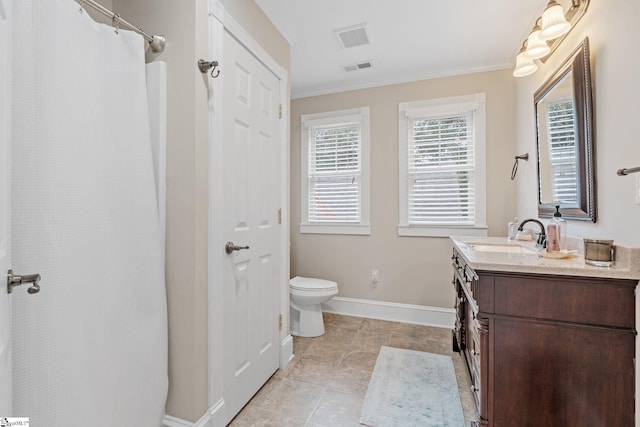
{"type": "Point", "coordinates": [116, 22]}
{"type": "Point", "coordinates": [205, 66]}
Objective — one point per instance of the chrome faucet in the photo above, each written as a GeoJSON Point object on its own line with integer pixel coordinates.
{"type": "Point", "coordinates": [542, 237]}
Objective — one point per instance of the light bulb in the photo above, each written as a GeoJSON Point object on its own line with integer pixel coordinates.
{"type": "Point", "coordinates": [536, 47]}
{"type": "Point", "coordinates": [524, 65]}
{"type": "Point", "coordinates": [554, 23]}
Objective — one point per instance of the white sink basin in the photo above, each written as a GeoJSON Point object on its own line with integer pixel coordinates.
{"type": "Point", "coordinates": [510, 248]}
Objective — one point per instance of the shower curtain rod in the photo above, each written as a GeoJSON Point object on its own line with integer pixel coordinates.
{"type": "Point", "coordinates": [157, 43]}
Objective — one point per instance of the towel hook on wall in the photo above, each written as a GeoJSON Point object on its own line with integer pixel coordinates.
{"type": "Point", "coordinates": [205, 66]}
{"type": "Point", "coordinates": [524, 156]}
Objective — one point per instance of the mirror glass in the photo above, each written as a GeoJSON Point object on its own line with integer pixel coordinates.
{"type": "Point", "coordinates": [564, 126]}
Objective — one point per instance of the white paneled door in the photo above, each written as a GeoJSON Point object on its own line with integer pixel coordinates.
{"type": "Point", "coordinates": [251, 199]}
{"type": "Point", "coordinates": [5, 224]}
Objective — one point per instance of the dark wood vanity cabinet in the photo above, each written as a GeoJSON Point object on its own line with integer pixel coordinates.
{"type": "Point", "coordinates": [547, 350]}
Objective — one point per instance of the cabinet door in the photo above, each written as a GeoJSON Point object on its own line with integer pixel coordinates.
{"type": "Point", "coordinates": [474, 354]}
{"type": "Point", "coordinates": [552, 374]}
{"type": "Point", "coordinates": [460, 308]}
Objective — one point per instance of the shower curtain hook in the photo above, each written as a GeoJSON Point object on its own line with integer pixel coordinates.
{"type": "Point", "coordinates": [116, 22]}
{"type": "Point", "coordinates": [81, 6]}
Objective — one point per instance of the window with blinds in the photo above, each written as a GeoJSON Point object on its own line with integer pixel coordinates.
{"type": "Point", "coordinates": [441, 170]}
{"type": "Point", "coordinates": [562, 150]}
{"type": "Point", "coordinates": [442, 166]}
{"type": "Point", "coordinates": [335, 172]}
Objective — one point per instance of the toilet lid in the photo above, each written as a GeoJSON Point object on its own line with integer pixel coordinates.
{"type": "Point", "coordinates": [308, 283]}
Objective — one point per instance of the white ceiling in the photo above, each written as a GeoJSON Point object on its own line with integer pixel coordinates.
{"type": "Point", "coordinates": [410, 39]}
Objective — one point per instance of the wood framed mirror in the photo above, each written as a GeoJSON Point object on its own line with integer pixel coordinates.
{"type": "Point", "coordinates": [565, 142]}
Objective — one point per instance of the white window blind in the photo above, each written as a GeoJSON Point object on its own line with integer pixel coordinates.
{"type": "Point", "coordinates": [562, 150]}
{"type": "Point", "coordinates": [441, 170]}
{"type": "Point", "coordinates": [334, 173]}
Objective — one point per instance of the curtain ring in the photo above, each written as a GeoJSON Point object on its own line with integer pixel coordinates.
{"type": "Point", "coordinates": [116, 22]}
{"type": "Point", "coordinates": [514, 171]}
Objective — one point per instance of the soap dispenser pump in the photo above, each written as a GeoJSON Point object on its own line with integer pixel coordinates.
{"type": "Point", "coordinates": [557, 233]}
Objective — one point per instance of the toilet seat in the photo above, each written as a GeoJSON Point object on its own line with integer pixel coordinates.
{"type": "Point", "coordinates": [299, 283]}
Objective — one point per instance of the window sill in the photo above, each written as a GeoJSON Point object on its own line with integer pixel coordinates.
{"type": "Point", "coordinates": [355, 229]}
{"type": "Point", "coordinates": [442, 231]}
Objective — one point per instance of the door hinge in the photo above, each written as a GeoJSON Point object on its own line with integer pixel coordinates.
{"type": "Point", "coordinates": [280, 111]}
{"type": "Point", "coordinates": [280, 216]}
{"type": "Point", "coordinates": [280, 322]}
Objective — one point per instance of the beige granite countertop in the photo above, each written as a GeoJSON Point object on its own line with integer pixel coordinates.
{"type": "Point", "coordinates": [626, 265]}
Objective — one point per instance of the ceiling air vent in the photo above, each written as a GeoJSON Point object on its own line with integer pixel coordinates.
{"type": "Point", "coordinates": [355, 35]}
{"type": "Point", "coordinates": [359, 66]}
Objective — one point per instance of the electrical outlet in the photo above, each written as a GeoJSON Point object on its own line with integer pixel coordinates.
{"type": "Point", "coordinates": [374, 278]}
{"type": "Point", "coordinates": [638, 189]}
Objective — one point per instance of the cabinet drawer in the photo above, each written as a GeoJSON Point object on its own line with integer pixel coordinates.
{"type": "Point", "coordinates": [571, 299]}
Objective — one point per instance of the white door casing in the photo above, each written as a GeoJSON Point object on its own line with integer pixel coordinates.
{"type": "Point", "coordinates": [5, 208]}
{"type": "Point", "coordinates": [221, 24]}
{"type": "Point", "coordinates": [251, 199]}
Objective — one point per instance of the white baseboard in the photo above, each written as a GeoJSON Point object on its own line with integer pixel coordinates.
{"type": "Point", "coordinates": [212, 417]}
{"type": "Point", "coordinates": [170, 421]}
{"type": "Point", "coordinates": [393, 311]}
{"type": "Point", "coordinates": [286, 351]}
{"type": "Point", "coordinates": [207, 420]}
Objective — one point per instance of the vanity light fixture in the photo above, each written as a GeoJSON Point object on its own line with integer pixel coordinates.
{"type": "Point", "coordinates": [524, 64]}
{"type": "Point", "coordinates": [549, 30]}
{"type": "Point", "coordinates": [554, 23]}
{"type": "Point", "coordinates": [537, 47]}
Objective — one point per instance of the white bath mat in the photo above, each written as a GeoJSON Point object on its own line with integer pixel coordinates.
{"type": "Point", "coordinates": [412, 388]}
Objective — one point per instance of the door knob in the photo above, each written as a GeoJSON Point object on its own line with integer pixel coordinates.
{"type": "Point", "coordinates": [15, 280]}
{"type": "Point", "coordinates": [230, 247]}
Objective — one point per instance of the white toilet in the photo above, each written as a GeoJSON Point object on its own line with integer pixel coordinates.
{"type": "Point", "coordinates": [306, 296]}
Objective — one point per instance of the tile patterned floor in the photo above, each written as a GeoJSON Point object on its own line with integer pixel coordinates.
{"type": "Point", "coordinates": [325, 384]}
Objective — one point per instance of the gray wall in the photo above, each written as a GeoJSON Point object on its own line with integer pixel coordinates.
{"type": "Point", "coordinates": [413, 270]}
{"type": "Point", "coordinates": [614, 38]}
{"type": "Point", "coordinates": [185, 25]}
{"type": "Point", "coordinates": [98, 16]}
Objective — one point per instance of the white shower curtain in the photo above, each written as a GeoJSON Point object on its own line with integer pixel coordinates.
{"type": "Point", "coordinates": [90, 349]}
